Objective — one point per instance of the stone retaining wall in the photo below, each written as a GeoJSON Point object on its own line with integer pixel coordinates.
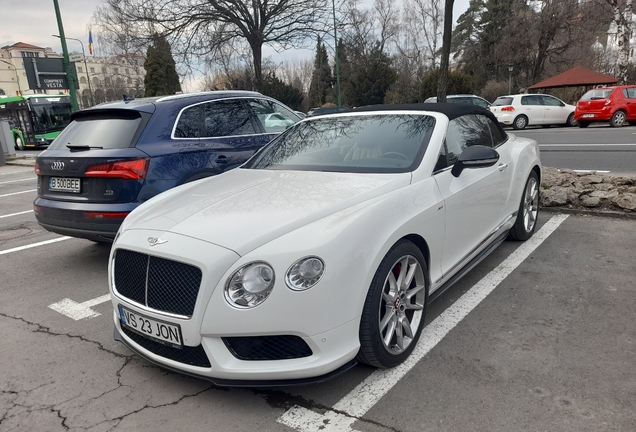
{"type": "Point", "coordinates": [569, 189]}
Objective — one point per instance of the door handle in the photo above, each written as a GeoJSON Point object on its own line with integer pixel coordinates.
{"type": "Point", "coordinates": [502, 167]}
{"type": "Point", "coordinates": [221, 159]}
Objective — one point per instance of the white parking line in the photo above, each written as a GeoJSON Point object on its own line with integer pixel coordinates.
{"type": "Point", "coordinates": [32, 245]}
{"type": "Point", "coordinates": [16, 214]}
{"type": "Point", "coordinates": [18, 193]}
{"type": "Point", "coordinates": [16, 172]}
{"type": "Point", "coordinates": [78, 311]}
{"type": "Point", "coordinates": [362, 398]}
{"type": "Point", "coordinates": [19, 180]}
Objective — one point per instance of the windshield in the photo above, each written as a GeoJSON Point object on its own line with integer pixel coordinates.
{"type": "Point", "coordinates": [597, 94]}
{"type": "Point", "coordinates": [50, 114]}
{"type": "Point", "coordinates": [375, 143]}
{"type": "Point", "coordinates": [502, 101]}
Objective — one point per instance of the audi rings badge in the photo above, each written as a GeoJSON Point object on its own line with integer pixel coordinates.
{"type": "Point", "coordinates": [57, 166]}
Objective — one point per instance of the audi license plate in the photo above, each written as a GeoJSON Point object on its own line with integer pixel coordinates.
{"type": "Point", "coordinates": [161, 331]}
{"type": "Point", "coordinates": [587, 115]}
{"type": "Point", "coordinates": [61, 184]}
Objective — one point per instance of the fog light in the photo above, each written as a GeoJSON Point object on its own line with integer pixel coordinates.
{"type": "Point", "coordinates": [250, 285]}
{"type": "Point", "coordinates": [305, 273]}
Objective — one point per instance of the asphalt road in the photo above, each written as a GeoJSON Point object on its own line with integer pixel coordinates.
{"type": "Point", "coordinates": [598, 147]}
{"type": "Point", "coordinates": [550, 348]}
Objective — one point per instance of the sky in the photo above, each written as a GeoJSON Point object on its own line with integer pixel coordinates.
{"type": "Point", "coordinates": [34, 22]}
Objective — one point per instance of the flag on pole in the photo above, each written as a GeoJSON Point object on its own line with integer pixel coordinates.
{"type": "Point", "coordinates": [90, 42]}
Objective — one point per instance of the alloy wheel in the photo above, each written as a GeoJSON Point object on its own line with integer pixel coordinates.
{"type": "Point", "coordinates": [530, 204]}
{"type": "Point", "coordinates": [402, 304]}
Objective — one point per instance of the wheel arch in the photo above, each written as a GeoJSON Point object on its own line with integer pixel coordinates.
{"type": "Point", "coordinates": [422, 245]}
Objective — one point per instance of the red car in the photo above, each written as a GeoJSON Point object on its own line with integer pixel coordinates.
{"type": "Point", "coordinates": [614, 104]}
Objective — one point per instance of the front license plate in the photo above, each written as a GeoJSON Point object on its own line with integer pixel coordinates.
{"type": "Point", "coordinates": [587, 115]}
{"type": "Point", "coordinates": [62, 184]}
{"type": "Point", "coordinates": [161, 331]}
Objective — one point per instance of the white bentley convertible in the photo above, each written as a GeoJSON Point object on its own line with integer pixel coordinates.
{"type": "Point", "coordinates": [325, 248]}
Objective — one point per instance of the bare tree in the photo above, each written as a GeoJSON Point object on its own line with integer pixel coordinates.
{"type": "Point", "coordinates": [423, 20]}
{"type": "Point", "coordinates": [203, 28]}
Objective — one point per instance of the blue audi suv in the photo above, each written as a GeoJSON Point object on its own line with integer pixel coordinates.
{"type": "Point", "coordinates": [117, 155]}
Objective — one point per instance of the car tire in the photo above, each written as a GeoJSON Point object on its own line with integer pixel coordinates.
{"type": "Point", "coordinates": [618, 119]}
{"type": "Point", "coordinates": [526, 221]}
{"type": "Point", "coordinates": [19, 145]}
{"type": "Point", "coordinates": [582, 124]}
{"type": "Point", "coordinates": [570, 122]}
{"type": "Point", "coordinates": [520, 122]}
{"type": "Point", "coordinates": [393, 316]}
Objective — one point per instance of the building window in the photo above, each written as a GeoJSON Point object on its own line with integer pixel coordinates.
{"type": "Point", "coordinates": [103, 70]}
{"type": "Point", "coordinates": [29, 54]}
{"type": "Point", "coordinates": [80, 70]}
{"type": "Point", "coordinates": [127, 71]}
{"type": "Point", "coordinates": [92, 70]}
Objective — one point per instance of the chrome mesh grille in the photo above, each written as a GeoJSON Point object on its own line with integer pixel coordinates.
{"type": "Point", "coordinates": [158, 283]}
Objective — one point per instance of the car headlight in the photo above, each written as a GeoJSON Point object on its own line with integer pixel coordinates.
{"type": "Point", "coordinates": [250, 285]}
{"type": "Point", "coordinates": [305, 273]}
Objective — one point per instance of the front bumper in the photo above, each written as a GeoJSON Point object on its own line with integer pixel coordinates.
{"type": "Point", "coordinates": [332, 339]}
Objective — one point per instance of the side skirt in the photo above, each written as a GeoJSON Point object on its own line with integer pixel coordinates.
{"type": "Point", "coordinates": [469, 266]}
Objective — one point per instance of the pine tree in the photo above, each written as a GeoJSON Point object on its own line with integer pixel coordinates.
{"type": "Point", "coordinates": [321, 78]}
{"type": "Point", "coordinates": [373, 79]}
{"type": "Point", "coordinates": [286, 93]}
{"type": "Point", "coordinates": [161, 72]}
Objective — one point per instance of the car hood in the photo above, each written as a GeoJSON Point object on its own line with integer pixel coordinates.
{"type": "Point", "coordinates": [244, 209]}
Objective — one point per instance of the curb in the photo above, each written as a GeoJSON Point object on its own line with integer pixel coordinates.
{"type": "Point", "coordinates": [20, 161]}
{"type": "Point", "coordinates": [586, 212]}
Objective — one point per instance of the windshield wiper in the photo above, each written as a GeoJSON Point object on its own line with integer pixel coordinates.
{"type": "Point", "coordinates": [82, 147]}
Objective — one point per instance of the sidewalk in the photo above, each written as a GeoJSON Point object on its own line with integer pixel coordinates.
{"type": "Point", "coordinates": [20, 160]}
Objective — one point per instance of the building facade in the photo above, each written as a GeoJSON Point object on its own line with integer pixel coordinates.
{"type": "Point", "coordinates": [101, 79]}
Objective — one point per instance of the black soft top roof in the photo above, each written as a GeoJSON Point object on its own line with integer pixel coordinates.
{"type": "Point", "coordinates": [450, 110]}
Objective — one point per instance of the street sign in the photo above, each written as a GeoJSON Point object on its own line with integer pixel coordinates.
{"type": "Point", "coordinates": [47, 73]}
{"type": "Point", "coordinates": [76, 57]}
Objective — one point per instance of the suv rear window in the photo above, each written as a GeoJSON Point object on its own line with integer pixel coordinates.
{"type": "Point", "coordinates": [597, 94]}
{"type": "Point", "coordinates": [502, 101]}
{"type": "Point", "coordinates": [99, 131]}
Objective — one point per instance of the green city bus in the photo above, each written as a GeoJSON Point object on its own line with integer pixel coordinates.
{"type": "Point", "coordinates": [35, 120]}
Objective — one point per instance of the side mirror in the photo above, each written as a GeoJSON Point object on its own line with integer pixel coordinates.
{"type": "Point", "coordinates": [476, 156]}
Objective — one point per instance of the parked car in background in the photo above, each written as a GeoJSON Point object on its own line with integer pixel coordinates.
{"type": "Point", "coordinates": [523, 110]}
{"type": "Point", "coordinates": [464, 99]}
{"type": "Point", "coordinates": [117, 155]}
{"type": "Point", "coordinates": [616, 105]}
{"type": "Point", "coordinates": [324, 248]}
{"type": "Point", "coordinates": [326, 110]}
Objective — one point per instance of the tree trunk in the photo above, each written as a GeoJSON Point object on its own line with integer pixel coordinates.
{"type": "Point", "coordinates": [442, 84]}
{"type": "Point", "coordinates": [623, 23]}
{"type": "Point", "coordinates": [257, 55]}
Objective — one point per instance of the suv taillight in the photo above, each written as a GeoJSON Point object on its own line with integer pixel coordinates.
{"type": "Point", "coordinates": [127, 169]}
{"type": "Point", "coordinates": [37, 168]}
{"type": "Point", "coordinates": [508, 108]}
